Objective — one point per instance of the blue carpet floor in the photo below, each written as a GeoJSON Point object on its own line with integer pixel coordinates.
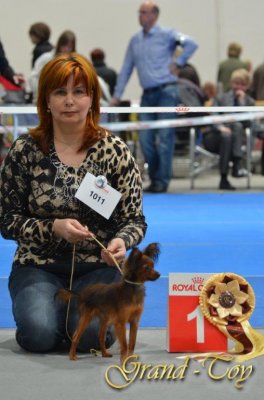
{"type": "Point", "coordinates": [197, 233]}
{"type": "Point", "coordinates": [207, 232]}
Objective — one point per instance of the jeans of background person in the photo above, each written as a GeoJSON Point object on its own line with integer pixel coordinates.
{"type": "Point", "coordinates": [228, 146]}
{"type": "Point", "coordinates": [158, 144]}
{"type": "Point", "coordinates": [28, 120]}
{"type": "Point", "coordinates": [40, 318]}
{"type": "Point", "coordinates": [105, 118]}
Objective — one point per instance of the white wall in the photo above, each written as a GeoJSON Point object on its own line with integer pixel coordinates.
{"type": "Point", "coordinates": [110, 23]}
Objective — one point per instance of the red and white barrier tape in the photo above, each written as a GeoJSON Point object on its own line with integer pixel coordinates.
{"type": "Point", "coordinates": [182, 122]}
{"type": "Point", "coordinates": [234, 114]}
{"type": "Point", "coordinates": [140, 110]}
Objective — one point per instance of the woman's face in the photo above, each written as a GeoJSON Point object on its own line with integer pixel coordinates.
{"type": "Point", "coordinates": [67, 48]}
{"type": "Point", "coordinates": [239, 85]}
{"type": "Point", "coordinates": [34, 39]}
{"type": "Point", "coordinates": [70, 104]}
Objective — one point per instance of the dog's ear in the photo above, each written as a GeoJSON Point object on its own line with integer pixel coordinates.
{"type": "Point", "coordinates": [134, 256]}
{"type": "Point", "coordinates": [152, 251]}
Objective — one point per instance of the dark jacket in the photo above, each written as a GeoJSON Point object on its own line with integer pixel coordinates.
{"type": "Point", "coordinates": [228, 99]}
{"type": "Point", "coordinates": [39, 49]}
{"type": "Point", "coordinates": [5, 68]}
{"type": "Point", "coordinates": [108, 74]}
{"type": "Point", "coordinates": [257, 88]}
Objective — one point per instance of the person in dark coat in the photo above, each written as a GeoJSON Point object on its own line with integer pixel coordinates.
{"type": "Point", "coordinates": [6, 70]}
{"type": "Point", "coordinates": [39, 34]}
{"type": "Point", "coordinates": [102, 70]}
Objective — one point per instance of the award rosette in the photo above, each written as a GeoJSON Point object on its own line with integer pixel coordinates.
{"type": "Point", "coordinates": [227, 300]}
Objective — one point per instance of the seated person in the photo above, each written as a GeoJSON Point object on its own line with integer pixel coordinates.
{"type": "Point", "coordinates": [227, 139]}
{"type": "Point", "coordinates": [209, 91]}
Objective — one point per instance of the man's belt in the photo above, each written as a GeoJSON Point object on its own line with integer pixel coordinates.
{"type": "Point", "coordinates": [160, 87]}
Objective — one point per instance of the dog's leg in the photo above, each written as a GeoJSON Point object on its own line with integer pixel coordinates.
{"type": "Point", "coordinates": [132, 336]}
{"type": "Point", "coordinates": [134, 321]}
{"type": "Point", "coordinates": [83, 323]}
{"type": "Point", "coordinates": [102, 336]}
{"type": "Point", "coordinates": [120, 329]}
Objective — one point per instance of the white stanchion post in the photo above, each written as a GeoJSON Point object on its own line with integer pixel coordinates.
{"type": "Point", "coordinates": [192, 156]}
{"type": "Point", "coordinates": [15, 131]}
{"type": "Point", "coordinates": [248, 132]}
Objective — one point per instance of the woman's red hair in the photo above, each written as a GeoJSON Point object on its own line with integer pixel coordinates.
{"type": "Point", "coordinates": [55, 74]}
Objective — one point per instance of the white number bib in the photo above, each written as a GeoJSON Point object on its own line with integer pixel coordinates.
{"type": "Point", "coordinates": [102, 199]}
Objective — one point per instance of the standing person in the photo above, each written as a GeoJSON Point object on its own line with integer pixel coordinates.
{"type": "Point", "coordinates": [228, 66]}
{"type": "Point", "coordinates": [39, 210]}
{"type": "Point", "coordinates": [39, 34]}
{"type": "Point", "coordinates": [66, 43]}
{"type": "Point", "coordinates": [151, 52]}
{"type": "Point", "coordinates": [108, 74]}
{"type": "Point", "coordinates": [7, 71]}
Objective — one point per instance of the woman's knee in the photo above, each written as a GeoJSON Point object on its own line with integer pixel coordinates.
{"type": "Point", "coordinates": [40, 321]}
{"type": "Point", "coordinates": [36, 335]}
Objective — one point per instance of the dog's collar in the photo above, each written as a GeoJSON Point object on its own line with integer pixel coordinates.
{"type": "Point", "coordinates": [133, 283]}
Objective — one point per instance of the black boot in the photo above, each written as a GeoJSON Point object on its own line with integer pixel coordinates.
{"type": "Point", "coordinates": [225, 184]}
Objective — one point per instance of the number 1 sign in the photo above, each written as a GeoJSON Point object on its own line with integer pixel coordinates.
{"type": "Point", "coordinates": [188, 330]}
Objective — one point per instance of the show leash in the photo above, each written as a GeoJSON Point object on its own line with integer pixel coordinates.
{"type": "Point", "coordinates": [114, 260]}
{"type": "Point", "coordinates": [110, 254]}
{"type": "Point", "coordinates": [72, 273]}
{"type": "Point", "coordinates": [70, 288]}
{"type": "Point", "coordinates": [71, 280]}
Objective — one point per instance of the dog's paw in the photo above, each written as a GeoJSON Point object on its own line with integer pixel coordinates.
{"type": "Point", "coordinates": [107, 354]}
{"type": "Point", "coordinates": [72, 357]}
{"type": "Point", "coordinates": [123, 358]}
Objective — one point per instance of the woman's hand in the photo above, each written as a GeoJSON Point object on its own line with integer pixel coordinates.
{"type": "Point", "coordinates": [117, 248]}
{"type": "Point", "coordinates": [240, 95]}
{"type": "Point", "coordinates": [70, 230]}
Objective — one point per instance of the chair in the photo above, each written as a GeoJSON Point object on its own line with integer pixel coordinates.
{"type": "Point", "coordinates": [210, 160]}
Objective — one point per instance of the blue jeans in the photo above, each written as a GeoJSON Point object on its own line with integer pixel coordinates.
{"type": "Point", "coordinates": [158, 144]}
{"type": "Point", "coordinates": [41, 319]}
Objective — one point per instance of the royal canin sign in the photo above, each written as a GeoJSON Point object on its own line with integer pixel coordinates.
{"type": "Point", "coordinates": [188, 284]}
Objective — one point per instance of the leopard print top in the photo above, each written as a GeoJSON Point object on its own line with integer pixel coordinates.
{"type": "Point", "coordinates": [36, 189]}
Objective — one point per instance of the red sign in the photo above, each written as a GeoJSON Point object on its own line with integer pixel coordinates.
{"type": "Point", "coordinates": [188, 330]}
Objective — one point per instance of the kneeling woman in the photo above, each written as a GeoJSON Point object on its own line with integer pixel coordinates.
{"type": "Point", "coordinates": [39, 210]}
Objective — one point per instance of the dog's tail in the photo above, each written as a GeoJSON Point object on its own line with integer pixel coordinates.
{"type": "Point", "coordinates": [65, 295]}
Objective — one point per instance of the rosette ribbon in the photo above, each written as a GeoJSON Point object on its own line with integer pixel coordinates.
{"type": "Point", "coordinates": [227, 300]}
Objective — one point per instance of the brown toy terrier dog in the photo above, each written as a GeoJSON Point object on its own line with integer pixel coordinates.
{"type": "Point", "coordinates": [116, 303]}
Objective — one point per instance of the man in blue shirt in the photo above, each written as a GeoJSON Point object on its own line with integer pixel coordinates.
{"type": "Point", "coordinates": [152, 51]}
